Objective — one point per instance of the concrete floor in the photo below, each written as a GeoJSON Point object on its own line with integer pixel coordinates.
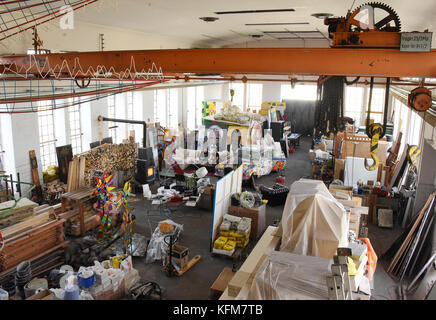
{"type": "Point", "coordinates": [195, 283]}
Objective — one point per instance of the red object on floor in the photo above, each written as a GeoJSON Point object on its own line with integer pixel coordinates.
{"type": "Point", "coordinates": [291, 150]}
{"type": "Point", "coordinates": [280, 179]}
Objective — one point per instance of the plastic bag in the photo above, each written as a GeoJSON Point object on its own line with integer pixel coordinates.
{"type": "Point", "coordinates": [157, 247]}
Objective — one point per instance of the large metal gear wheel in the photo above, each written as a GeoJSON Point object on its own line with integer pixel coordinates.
{"type": "Point", "coordinates": [385, 24]}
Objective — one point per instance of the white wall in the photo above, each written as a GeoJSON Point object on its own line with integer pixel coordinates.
{"type": "Point", "coordinates": [7, 144]}
{"type": "Point", "coordinates": [429, 134]}
{"type": "Point", "coordinates": [25, 137]}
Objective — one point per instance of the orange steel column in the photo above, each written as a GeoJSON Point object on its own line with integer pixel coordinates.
{"type": "Point", "coordinates": [299, 61]}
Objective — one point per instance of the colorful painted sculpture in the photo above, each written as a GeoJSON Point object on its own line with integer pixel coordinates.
{"type": "Point", "coordinates": [103, 204]}
{"type": "Point", "coordinates": [125, 211]}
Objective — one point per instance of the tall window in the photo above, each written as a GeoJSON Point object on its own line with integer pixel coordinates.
{"type": "Point", "coordinates": [129, 111]}
{"type": "Point", "coordinates": [377, 104]}
{"type": "Point", "coordinates": [194, 107]}
{"type": "Point", "coordinates": [173, 108]}
{"type": "Point", "coordinates": [111, 114]}
{"type": "Point", "coordinates": [415, 127]}
{"type": "Point", "coordinates": [353, 104]}
{"type": "Point", "coordinates": [238, 98]}
{"type": "Point", "coordinates": [166, 107]}
{"type": "Point", "coordinates": [160, 107]}
{"type": "Point", "coordinates": [408, 122]}
{"type": "Point", "coordinates": [300, 92]}
{"type": "Point", "coordinates": [47, 140]}
{"type": "Point", "coordinates": [75, 128]}
{"type": "Point", "coordinates": [254, 96]}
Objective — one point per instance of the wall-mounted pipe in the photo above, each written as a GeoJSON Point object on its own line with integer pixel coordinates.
{"type": "Point", "coordinates": [143, 123]}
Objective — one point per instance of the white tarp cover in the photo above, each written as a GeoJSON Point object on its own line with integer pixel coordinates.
{"type": "Point", "coordinates": [314, 222]}
{"type": "Point", "coordinates": [288, 276]}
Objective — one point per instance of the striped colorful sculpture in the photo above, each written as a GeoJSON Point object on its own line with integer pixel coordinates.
{"type": "Point", "coordinates": [103, 204]}
{"type": "Point", "coordinates": [125, 212]}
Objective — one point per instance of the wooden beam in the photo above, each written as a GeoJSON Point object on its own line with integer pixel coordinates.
{"type": "Point", "coordinates": [299, 61]}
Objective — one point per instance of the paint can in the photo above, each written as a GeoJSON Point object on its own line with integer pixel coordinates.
{"type": "Point", "coordinates": [86, 279]}
{"type": "Point", "coordinates": [116, 262]}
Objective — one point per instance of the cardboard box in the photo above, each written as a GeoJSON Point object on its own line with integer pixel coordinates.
{"type": "Point", "coordinates": [180, 256]}
{"type": "Point", "coordinates": [257, 216]}
{"type": "Point", "coordinates": [339, 169]}
{"type": "Point", "coordinates": [362, 150]}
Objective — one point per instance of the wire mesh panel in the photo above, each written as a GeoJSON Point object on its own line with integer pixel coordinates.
{"type": "Point", "coordinates": [21, 15]}
{"type": "Point", "coordinates": [75, 128]}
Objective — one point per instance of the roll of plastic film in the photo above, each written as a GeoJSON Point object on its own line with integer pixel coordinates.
{"type": "Point", "coordinates": [71, 293]}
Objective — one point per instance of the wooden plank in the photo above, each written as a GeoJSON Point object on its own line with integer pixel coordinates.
{"type": "Point", "coordinates": [35, 173]}
{"type": "Point", "coordinates": [69, 214]}
{"type": "Point", "coordinates": [238, 282]}
{"type": "Point", "coordinates": [409, 236]}
{"type": "Point", "coordinates": [82, 161]}
{"type": "Point", "coordinates": [39, 208]}
{"type": "Point", "coordinates": [32, 223]}
{"type": "Point", "coordinates": [222, 281]}
{"type": "Point", "coordinates": [34, 231]}
{"type": "Point", "coordinates": [245, 275]}
{"type": "Point", "coordinates": [70, 177]}
{"type": "Point", "coordinates": [61, 245]}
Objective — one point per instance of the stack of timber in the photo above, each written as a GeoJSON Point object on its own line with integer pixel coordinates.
{"type": "Point", "coordinates": [11, 212]}
{"type": "Point", "coordinates": [40, 265]}
{"type": "Point", "coordinates": [32, 238]}
{"type": "Point", "coordinates": [410, 250]}
{"type": "Point", "coordinates": [107, 157]}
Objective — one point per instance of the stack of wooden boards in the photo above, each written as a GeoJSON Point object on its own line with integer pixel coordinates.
{"type": "Point", "coordinates": [409, 249]}
{"type": "Point", "coordinates": [11, 212]}
{"type": "Point", "coordinates": [107, 157]}
{"type": "Point", "coordinates": [37, 236]}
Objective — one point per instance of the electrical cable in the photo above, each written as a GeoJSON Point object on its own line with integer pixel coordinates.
{"type": "Point", "coordinates": [349, 83]}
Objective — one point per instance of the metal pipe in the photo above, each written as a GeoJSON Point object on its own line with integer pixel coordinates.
{"type": "Point", "coordinates": [12, 185]}
{"type": "Point", "coordinates": [143, 123]}
{"type": "Point", "coordinates": [18, 184]}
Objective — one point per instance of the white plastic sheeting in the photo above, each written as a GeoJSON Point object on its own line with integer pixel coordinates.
{"type": "Point", "coordinates": [314, 222]}
{"type": "Point", "coordinates": [288, 276]}
{"type": "Point", "coordinates": [157, 248]}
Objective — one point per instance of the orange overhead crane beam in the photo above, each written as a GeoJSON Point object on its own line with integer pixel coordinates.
{"type": "Point", "coordinates": [297, 61]}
